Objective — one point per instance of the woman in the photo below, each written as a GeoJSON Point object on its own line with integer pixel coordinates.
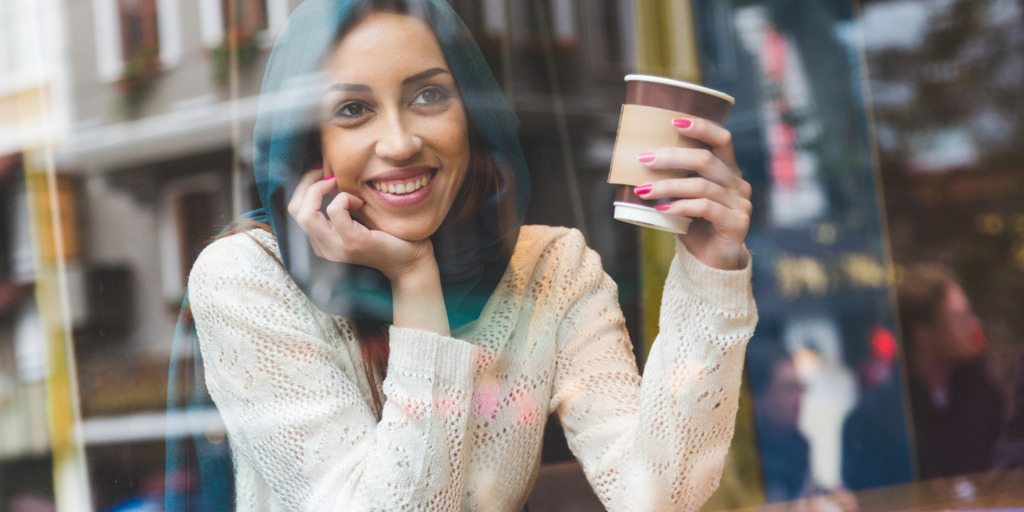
{"type": "Point", "coordinates": [411, 363]}
{"type": "Point", "coordinates": [957, 410]}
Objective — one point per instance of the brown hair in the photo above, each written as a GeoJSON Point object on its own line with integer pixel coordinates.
{"type": "Point", "coordinates": [919, 296]}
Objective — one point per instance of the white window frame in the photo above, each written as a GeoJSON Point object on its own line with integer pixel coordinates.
{"type": "Point", "coordinates": [24, 50]}
{"type": "Point", "coordinates": [211, 21]}
{"type": "Point", "coordinates": [494, 17]}
{"type": "Point", "coordinates": [110, 61]}
{"type": "Point", "coordinates": [171, 276]}
{"type": "Point", "coordinates": [563, 20]}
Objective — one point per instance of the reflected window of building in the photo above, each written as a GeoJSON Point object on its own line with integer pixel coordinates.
{"type": "Point", "coordinates": [136, 38]}
{"type": "Point", "coordinates": [189, 209]}
{"type": "Point", "coordinates": [251, 23]}
{"type": "Point", "coordinates": [139, 28]}
{"type": "Point", "coordinates": [244, 16]}
{"type": "Point", "coordinates": [19, 63]}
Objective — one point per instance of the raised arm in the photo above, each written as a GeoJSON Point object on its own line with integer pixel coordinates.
{"type": "Point", "coordinates": [658, 444]}
{"type": "Point", "coordinates": [289, 385]}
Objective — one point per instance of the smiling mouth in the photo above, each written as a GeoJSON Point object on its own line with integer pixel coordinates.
{"type": "Point", "coordinates": [404, 185]}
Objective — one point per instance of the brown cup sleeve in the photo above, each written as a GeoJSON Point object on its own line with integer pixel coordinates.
{"type": "Point", "coordinates": [643, 129]}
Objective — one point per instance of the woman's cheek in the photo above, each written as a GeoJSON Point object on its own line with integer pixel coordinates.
{"type": "Point", "coordinates": [361, 217]}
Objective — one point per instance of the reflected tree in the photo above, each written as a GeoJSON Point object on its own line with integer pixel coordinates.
{"type": "Point", "coordinates": [950, 118]}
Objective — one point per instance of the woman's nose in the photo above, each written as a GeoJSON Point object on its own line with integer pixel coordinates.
{"type": "Point", "coordinates": [397, 141]}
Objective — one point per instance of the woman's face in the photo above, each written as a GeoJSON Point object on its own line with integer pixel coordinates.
{"type": "Point", "coordinates": [394, 128]}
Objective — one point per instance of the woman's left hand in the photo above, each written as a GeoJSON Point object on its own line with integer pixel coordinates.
{"type": "Point", "coordinates": [717, 196]}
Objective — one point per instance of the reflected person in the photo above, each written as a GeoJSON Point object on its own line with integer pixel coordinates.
{"type": "Point", "coordinates": [777, 394]}
{"type": "Point", "coordinates": [393, 339]}
{"type": "Point", "coordinates": [956, 411]}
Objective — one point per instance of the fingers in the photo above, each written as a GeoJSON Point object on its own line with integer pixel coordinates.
{"type": "Point", "coordinates": [717, 193]}
{"type": "Point", "coordinates": [306, 181]}
{"type": "Point", "coordinates": [696, 188]}
{"type": "Point", "coordinates": [308, 202]}
{"type": "Point", "coordinates": [335, 235]}
{"type": "Point", "coordinates": [717, 162]}
{"type": "Point", "coordinates": [730, 223]}
{"type": "Point", "coordinates": [351, 233]}
{"type": "Point", "coordinates": [305, 207]}
{"type": "Point", "coordinates": [728, 210]}
{"type": "Point", "coordinates": [709, 133]}
{"type": "Point", "coordinates": [702, 161]}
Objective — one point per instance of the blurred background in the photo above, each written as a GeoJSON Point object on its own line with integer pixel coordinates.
{"type": "Point", "coordinates": [877, 135]}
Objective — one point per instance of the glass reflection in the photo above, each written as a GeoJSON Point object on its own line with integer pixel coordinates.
{"type": "Point", "coordinates": [146, 107]}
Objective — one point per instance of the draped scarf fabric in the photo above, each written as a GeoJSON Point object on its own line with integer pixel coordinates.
{"type": "Point", "coordinates": [472, 253]}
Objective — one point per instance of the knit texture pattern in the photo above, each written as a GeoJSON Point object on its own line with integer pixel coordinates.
{"type": "Point", "coordinates": [463, 416]}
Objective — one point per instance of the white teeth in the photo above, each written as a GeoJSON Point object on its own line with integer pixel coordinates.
{"type": "Point", "coordinates": [403, 187]}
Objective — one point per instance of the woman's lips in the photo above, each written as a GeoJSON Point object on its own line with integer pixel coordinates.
{"type": "Point", "coordinates": [403, 187]}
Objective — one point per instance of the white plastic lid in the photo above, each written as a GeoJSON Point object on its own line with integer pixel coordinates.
{"type": "Point", "coordinates": [650, 218]}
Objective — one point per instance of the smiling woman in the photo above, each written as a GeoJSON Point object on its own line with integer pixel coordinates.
{"type": "Point", "coordinates": [393, 339]}
{"type": "Point", "coordinates": [395, 136]}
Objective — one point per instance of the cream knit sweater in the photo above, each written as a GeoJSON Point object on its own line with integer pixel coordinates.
{"type": "Point", "coordinates": [464, 415]}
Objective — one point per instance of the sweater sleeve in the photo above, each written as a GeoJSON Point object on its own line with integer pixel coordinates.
{"type": "Point", "coordinates": [656, 443]}
{"type": "Point", "coordinates": [294, 412]}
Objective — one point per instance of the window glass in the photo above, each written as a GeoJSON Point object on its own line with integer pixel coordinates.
{"type": "Point", "coordinates": [139, 28]}
{"type": "Point", "coordinates": [879, 138]}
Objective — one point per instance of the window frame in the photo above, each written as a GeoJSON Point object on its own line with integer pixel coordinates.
{"type": "Point", "coordinates": [211, 21]}
{"type": "Point", "coordinates": [109, 32]}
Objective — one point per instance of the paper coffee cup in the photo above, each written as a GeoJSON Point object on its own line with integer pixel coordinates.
{"type": "Point", "coordinates": [645, 123]}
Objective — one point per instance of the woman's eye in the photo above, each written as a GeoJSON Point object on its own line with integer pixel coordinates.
{"type": "Point", "coordinates": [351, 110]}
{"type": "Point", "coordinates": [430, 96]}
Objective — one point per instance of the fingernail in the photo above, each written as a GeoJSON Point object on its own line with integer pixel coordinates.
{"type": "Point", "coordinates": [646, 157]}
{"type": "Point", "coordinates": [328, 178]}
{"type": "Point", "coordinates": [642, 189]}
{"type": "Point", "coordinates": [663, 206]}
{"type": "Point", "coordinates": [682, 123]}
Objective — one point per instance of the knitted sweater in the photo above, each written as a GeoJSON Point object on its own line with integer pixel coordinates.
{"type": "Point", "coordinates": [464, 415]}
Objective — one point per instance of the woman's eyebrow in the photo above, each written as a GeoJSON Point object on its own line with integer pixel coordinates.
{"type": "Point", "coordinates": [351, 87]}
{"type": "Point", "coordinates": [423, 75]}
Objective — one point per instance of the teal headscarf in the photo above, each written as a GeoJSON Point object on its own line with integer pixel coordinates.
{"type": "Point", "coordinates": [472, 253]}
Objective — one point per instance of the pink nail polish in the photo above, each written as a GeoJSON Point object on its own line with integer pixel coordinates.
{"type": "Point", "coordinates": [646, 157]}
{"type": "Point", "coordinates": [663, 206]}
{"type": "Point", "coordinates": [642, 189]}
{"type": "Point", "coordinates": [328, 178]}
{"type": "Point", "coordinates": [682, 123]}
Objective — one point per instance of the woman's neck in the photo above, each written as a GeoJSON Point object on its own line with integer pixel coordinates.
{"type": "Point", "coordinates": [933, 372]}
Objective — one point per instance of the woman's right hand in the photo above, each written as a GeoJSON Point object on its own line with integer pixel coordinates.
{"type": "Point", "coordinates": [338, 237]}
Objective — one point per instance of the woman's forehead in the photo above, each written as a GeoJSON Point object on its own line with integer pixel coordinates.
{"type": "Point", "coordinates": [383, 43]}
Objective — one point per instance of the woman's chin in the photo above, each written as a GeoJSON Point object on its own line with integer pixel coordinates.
{"type": "Point", "coordinates": [413, 235]}
{"type": "Point", "coordinates": [408, 231]}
